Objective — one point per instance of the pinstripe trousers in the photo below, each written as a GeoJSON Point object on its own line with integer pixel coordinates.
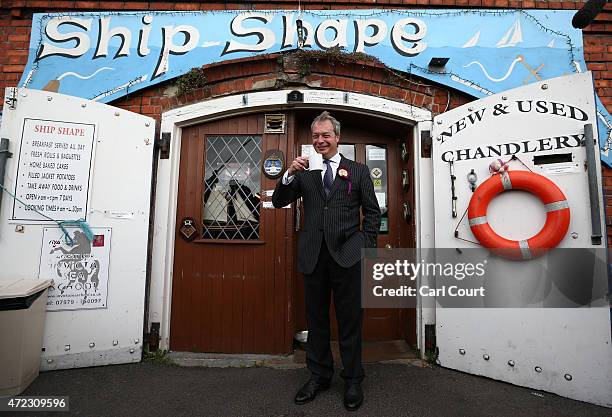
{"type": "Point", "coordinates": [345, 283]}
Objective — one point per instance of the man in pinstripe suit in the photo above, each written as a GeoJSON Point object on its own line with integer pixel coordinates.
{"type": "Point", "coordinates": [329, 254]}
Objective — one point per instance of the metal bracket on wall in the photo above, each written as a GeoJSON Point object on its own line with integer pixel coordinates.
{"type": "Point", "coordinates": [163, 144]}
{"type": "Point", "coordinates": [152, 338]}
{"type": "Point", "coordinates": [589, 142]}
{"type": "Point", "coordinates": [426, 144]}
{"type": "Point", "coordinates": [430, 337]}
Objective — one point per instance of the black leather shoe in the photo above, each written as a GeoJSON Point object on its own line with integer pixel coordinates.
{"type": "Point", "coordinates": [310, 390]}
{"type": "Point", "coordinates": [353, 396]}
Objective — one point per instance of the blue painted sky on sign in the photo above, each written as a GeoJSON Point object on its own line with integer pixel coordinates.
{"type": "Point", "coordinates": [489, 50]}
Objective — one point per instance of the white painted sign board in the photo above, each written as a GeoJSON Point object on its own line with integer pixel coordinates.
{"type": "Point", "coordinates": [54, 169]}
{"type": "Point", "coordinates": [566, 351]}
{"type": "Point", "coordinates": [106, 156]}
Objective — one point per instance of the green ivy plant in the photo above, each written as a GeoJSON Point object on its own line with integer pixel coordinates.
{"type": "Point", "coordinates": [194, 79]}
{"type": "Point", "coordinates": [335, 55]}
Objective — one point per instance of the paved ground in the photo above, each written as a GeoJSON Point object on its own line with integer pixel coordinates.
{"type": "Point", "coordinates": [150, 389]}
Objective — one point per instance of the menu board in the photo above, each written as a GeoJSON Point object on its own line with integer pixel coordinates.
{"type": "Point", "coordinates": [54, 170]}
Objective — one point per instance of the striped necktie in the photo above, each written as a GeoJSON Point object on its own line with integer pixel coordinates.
{"type": "Point", "coordinates": [328, 178]}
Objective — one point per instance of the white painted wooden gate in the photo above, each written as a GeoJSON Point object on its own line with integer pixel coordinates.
{"type": "Point", "coordinates": [566, 351]}
{"type": "Point", "coordinates": [77, 159]}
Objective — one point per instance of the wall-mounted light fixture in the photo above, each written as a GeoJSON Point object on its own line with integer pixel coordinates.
{"type": "Point", "coordinates": [588, 13]}
{"type": "Point", "coordinates": [438, 64]}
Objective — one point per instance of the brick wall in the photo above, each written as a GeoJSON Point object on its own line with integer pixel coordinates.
{"type": "Point", "coordinates": [276, 71]}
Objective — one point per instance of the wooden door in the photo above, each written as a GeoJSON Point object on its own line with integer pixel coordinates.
{"type": "Point", "coordinates": [376, 143]}
{"type": "Point", "coordinates": [230, 290]}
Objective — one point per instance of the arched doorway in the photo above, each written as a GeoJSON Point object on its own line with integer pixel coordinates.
{"type": "Point", "coordinates": [235, 289]}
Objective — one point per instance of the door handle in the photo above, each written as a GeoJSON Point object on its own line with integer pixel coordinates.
{"type": "Point", "coordinates": [187, 229]}
{"type": "Point", "coordinates": [388, 246]}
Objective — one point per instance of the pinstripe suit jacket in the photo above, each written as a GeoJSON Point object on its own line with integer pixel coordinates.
{"type": "Point", "coordinates": [336, 217]}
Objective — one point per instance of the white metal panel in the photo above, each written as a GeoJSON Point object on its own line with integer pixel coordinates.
{"type": "Point", "coordinates": [573, 342]}
{"type": "Point", "coordinates": [119, 199]}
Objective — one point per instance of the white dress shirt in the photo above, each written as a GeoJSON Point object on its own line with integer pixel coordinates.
{"type": "Point", "coordinates": [334, 164]}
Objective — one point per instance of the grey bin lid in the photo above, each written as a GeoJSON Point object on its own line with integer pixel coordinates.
{"type": "Point", "coordinates": [19, 287]}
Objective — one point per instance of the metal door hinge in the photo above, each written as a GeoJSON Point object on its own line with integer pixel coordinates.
{"type": "Point", "coordinates": [426, 144]}
{"type": "Point", "coordinates": [11, 98]}
{"type": "Point", "coordinates": [4, 155]}
{"type": "Point", "coordinates": [430, 337]}
{"type": "Point", "coordinates": [4, 148]}
{"type": "Point", "coordinates": [163, 144]}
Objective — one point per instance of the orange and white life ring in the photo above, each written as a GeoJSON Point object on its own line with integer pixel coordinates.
{"type": "Point", "coordinates": [555, 204]}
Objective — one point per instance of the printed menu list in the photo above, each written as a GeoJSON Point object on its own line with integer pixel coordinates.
{"type": "Point", "coordinates": [54, 169]}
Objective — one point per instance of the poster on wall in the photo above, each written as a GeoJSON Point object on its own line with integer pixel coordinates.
{"type": "Point", "coordinates": [53, 170]}
{"type": "Point", "coordinates": [79, 271]}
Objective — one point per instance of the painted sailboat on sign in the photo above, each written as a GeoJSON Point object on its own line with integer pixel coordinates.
{"type": "Point", "coordinates": [473, 41]}
{"type": "Point", "coordinates": [513, 36]}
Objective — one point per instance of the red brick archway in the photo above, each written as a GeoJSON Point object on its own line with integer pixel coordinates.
{"type": "Point", "coordinates": [288, 70]}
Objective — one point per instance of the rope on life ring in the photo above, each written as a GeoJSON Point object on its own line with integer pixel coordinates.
{"type": "Point", "coordinates": [555, 204]}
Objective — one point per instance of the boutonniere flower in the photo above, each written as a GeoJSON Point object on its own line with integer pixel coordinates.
{"type": "Point", "coordinates": [343, 173]}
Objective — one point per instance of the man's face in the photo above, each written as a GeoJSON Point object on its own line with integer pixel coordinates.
{"type": "Point", "coordinates": [324, 139]}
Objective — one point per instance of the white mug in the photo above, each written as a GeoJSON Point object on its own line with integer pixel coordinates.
{"type": "Point", "coordinates": [315, 161]}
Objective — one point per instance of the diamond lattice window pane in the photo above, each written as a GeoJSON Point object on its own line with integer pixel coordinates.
{"type": "Point", "coordinates": [231, 201]}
